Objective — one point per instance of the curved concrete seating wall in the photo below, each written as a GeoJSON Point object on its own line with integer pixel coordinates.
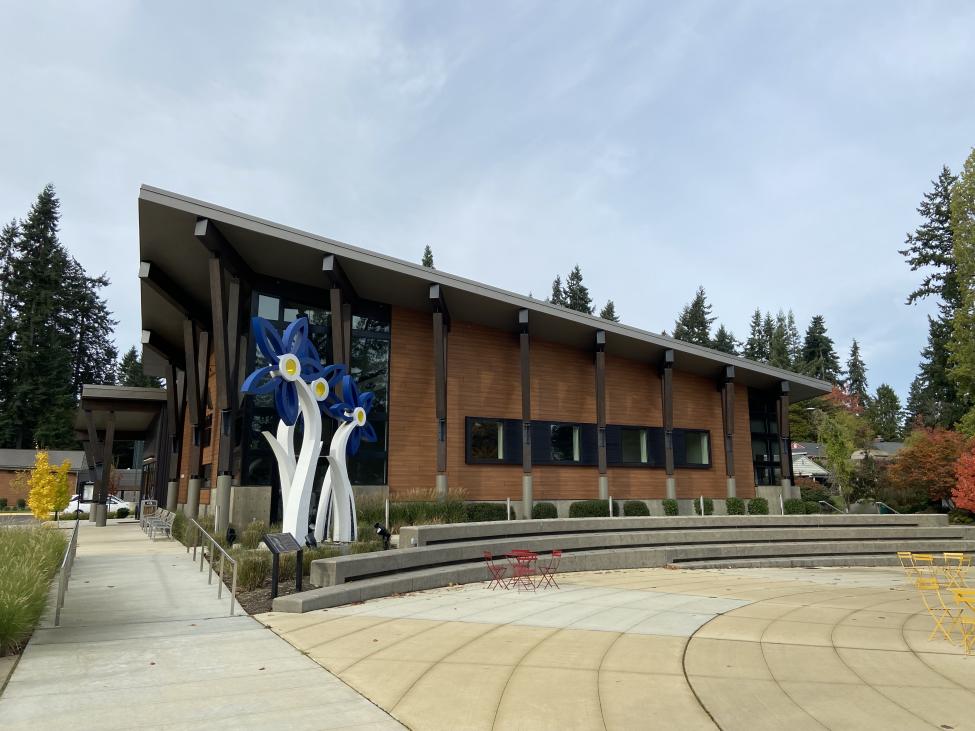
{"type": "Point", "coordinates": [424, 535]}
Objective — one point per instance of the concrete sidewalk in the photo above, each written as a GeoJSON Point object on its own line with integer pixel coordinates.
{"type": "Point", "coordinates": [144, 643]}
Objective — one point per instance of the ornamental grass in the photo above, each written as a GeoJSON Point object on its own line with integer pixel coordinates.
{"type": "Point", "coordinates": [29, 558]}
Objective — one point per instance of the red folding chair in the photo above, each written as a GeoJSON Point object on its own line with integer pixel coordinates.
{"type": "Point", "coordinates": [522, 569]}
{"type": "Point", "coordinates": [496, 571]}
{"type": "Point", "coordinates": [546, 572]}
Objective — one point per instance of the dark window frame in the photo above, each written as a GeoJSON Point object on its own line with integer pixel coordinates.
{"type": "Point", "coordinates": [686, 466]}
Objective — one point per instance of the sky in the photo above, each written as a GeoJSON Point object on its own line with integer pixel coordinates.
{"type": "Point", "coordinates": [772, 152]}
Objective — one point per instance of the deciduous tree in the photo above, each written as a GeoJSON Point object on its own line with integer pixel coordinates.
{"type": "Point", "coordinates": [49, 491]}
{"type": "Point", "coordinates": [928, 460]}
{"type": "Point", "coordinates": [963, 493]}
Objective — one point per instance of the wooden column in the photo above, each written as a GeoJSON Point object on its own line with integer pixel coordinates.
{"type": "Point", "coordinates": [341, 296]}
{"type": "Point", "coordinates": [601, 414]}
{"type": "Point", "coordinates": [441, 325]}
{"type": "Point", "coordinates": [225, 305]}
{"type": "Point", "coordinates": [667, 401]}
{"type": "Point", "coordinates": [785, 440]}
{"type": "Point", "coordinates": [727, 386]}
{"type": "Point", "coordinates": [527, 492]}
{"type": "Point", "coordinates": [101, 514]}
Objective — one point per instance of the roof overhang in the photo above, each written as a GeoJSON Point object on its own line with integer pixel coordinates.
{"type": "Point", "coordinates": [134, 410]}
{"type": "Point", "coordinates": [286, 256]}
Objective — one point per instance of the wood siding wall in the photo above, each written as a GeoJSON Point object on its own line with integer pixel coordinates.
{"type": "Point", "coordinates": [483, 379]}
{"type": "Point", "coordinates": [211, 452]}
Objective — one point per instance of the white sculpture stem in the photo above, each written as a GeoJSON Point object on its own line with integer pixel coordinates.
{"type": "Point", "coordinates": [298, 501]}
{"type": "Point", "coordinates": [283, 446]}
{"type": "Point", "coordinates": [337, 500]}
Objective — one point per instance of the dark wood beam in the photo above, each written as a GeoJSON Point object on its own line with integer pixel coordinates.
{"type": "Point", "coordinates": [727, 386]}
{"type": "Point", "coordinates": [96, 449]}
{"type": "Point", "coordinates": [218, 304]}
{"type": "Point", "coordinates": [667, 399]}
{"type": "Point", "coordinates": [162, 284]}
{"type": "Point", "coordinates": [440, 387]}
{"type": "Point", "coordinates": [526, 392]}
{"type": "Point", "coordinates": [216, 243]}
{"type": "Point", "coordinates": [439, 304]}
{"type": "Point", "coordinates": [785, 440]}
{"type": "Point", "coordinates": [341, 316]}
{"type": "Point", "coordinates": [601, 400]}
{"type": "Point", "coordinates": [107, 449]}
{"type": "Point", "coordinates": [337, 278]}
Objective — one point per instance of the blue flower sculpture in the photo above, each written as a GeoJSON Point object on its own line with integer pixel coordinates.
{"type": "Point", "coordinates": [292, 356]}
{"type": "Point", "coordinates": [354, 407]}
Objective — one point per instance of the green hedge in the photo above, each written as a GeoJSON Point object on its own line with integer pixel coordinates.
{"type": "Point", "coordinates": [635, 508]}
{"type": "Point", "coordinates": [735, 506]}
{"type": "Point", "coordinates": [544, 511]}
{"type": "Point", "coordinates": [758, 506]}
{"type": "Point", "coordinates": [708, 506]}
{"type": "Point", "coordinates": [482, 512]}
{"type": "Point", "coordinates": [592, 509]}
{"type": "Point", "coordinates": [794, 506]}
{"type": "Point", "coordinates": [670, 507]}
{"type": "Point", "coordinates": [811, 507]}
{"type": "Point", "coordinates": [122, 513]}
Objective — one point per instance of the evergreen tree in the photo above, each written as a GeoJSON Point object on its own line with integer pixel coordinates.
{"type": "Point", "coordinates": [694, 323]}
{"type": "Point", "coordinates": [576, 293]}
{"type": "Point", "coordinates": [856, 375]}
{"type": "Point", "coordinates": [558, 293]}
{"type": "Point", "coordinates": [724, 340]}
{"type": "Point", "coordinates": [884, 413]}
{"type": "Point", "coordinates": [920, 410]}
{"type": "Point", "coordinates": [88, 325]}
{"type": "Point", "coordinates": [756, 347]}
{"type": "Point", "coordinates": [962, 345]}
{"type": "Point", "coordinates": [795, 342]}
{"type": "Point", "coordinates": [427, 259]}
{"type": "Point", "coordinates": [779, 343]}
{"type": "Point", "coordinates": [609, 312]}
{"type": "Point", "coordinates": [819, 358]}
{"type": "Point", "coordinates": [931, 247]}
{"type": "Point", "coordinates": [130, 371]}
{"type": "Point", "coordinates": [8, 244]}
{"type": "Point", "coordinates": [8, 240]}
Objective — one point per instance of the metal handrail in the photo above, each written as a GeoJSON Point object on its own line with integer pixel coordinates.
{"type": "Point", "coordinates": [831, 506]}
{"type": "Point", "coordinates": [64, 573]}
{"type": "Point", "coordinates": [895, 512]}
{"type": "Point", "coordinates": [214, 547]}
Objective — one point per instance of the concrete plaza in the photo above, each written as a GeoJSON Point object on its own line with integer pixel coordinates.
{"type": "Point", "coordinates": [145, 643]}
{"type": "Point", "coordinates": [651, 649]}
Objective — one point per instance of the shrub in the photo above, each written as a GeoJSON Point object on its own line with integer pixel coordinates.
{"type": "Point", "coordinates": [592, 509]}
{"type": "Point", "coordinates": [544, 511]}
{"type": "Point", "coordinates": [366, 546]}
{"type": "Point", "coordinates": [122, 513]}
{"type": "Point", "coordinates": [3, 503]}
{"type": "Point", "coordinates": [735, 506]}
{"type": "Point", "coordinates": [251, 536]}
{"type": "Point", "coordinates": [811, 490]}
{"type": "Point", "coordinates": [793, 506]}
{"type": "Point", "coordinates": [708, 506]}
{"type": "Point", "coordinates": [29, 558]}
{"type": "Point", "coordinates": [670, 507]}
{"type": "Point", "coordinates": [961, 517]}
{"type": "Point", "coordinates": [810, 506]}
{"type": "Point", "coordinates": [180, 526]}
{"type": "Point", "coordinates": [635, 507]}
{"type": "Point", "coordinates": [21, 504]}
{"type": "Point", "coordinates": [253, 568]}
{"type": "Point", "coordinates": [313, 554]}
{"type": "Point", "coordinates": [483, 512]}
{"type": "Point", "coordinates": [758, 506]}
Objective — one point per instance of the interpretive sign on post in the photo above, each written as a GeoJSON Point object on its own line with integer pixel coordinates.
{"type": "Point", "coordinates": [279, 543]}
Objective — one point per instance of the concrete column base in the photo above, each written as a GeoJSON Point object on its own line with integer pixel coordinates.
{"type": "Point", "coordinates": [527, 496]}
{"type": "Point", "coordinates": [172, 495]}
{"type": "Point", "coordinates": [789, 491]}
{"type": "Point", "coordinates": [221, 513]}
{"type": "Point", "coordinates": [671, 488]}
{"type": "Point", "coordinates": [731, 487]}
{"type": "Point", "coordinates": [101, 515]}
{"type": "Point", "coordinates": [249, 503]}
{"type": "Point", "coordinates": [604, 487]}
{"type": "Point", "coordinates": [440, 488]}
{"type": "Point", "coordinates": [192, 507]}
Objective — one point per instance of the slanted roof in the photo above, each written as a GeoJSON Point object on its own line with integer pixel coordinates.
{"type": "Point", "coordinates": [813, 449]}
{"type": "Point", "coordinates": [805, 466]}
{"type": "Point", "coordinates": [23, 459]}
{"type": "Point", "coordinates": [134, 408]}
{"type": "Point", "coordinates": [278, 253]}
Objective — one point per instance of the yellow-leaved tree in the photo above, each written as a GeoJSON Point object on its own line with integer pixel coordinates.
{"type": "Point", "coordinates": [49, 491]}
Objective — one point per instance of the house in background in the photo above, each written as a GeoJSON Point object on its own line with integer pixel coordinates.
{"type": "Point", "coordinates": [804, 464]}
{"type": "Point", "coordinates": [13, 461]}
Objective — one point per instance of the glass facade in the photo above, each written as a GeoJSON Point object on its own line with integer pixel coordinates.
{"type": "Point", "coordinates": [766, 460]}
{"type": "Point", "coordinates": [370, 367]}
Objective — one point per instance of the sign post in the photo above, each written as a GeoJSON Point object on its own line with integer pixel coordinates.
{"type": "Point", "coordinates": [279, 543]}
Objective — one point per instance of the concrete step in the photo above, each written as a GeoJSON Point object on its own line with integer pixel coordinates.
{"type": "Point", "coordinates": [793, 562]}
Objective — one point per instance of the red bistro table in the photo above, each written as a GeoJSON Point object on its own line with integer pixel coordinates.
{"type": "Point", "coordinates": [522, 569]}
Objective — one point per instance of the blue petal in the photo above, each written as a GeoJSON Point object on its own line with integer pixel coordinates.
{"type": "Point", "coordinates": [311, 369]}
{"type": "Point", "coordinates": [267, 339]}
{"type": "Point", "coordinates": [253, 385]}
{"type": "Point", "coordinates": [353, 446]}
{"type": "Point", "coordinates": [296, 335]}
{"type": "Point", "coordinates": [286, 400]}
{"type": "Point", "coordinates": [308, 350]}
{"type": "Point", "coordinates": [333, 374]}
{"type": "Point", "coordinates": [350, 392]}
{"type": "Point", "coordinates": [365, 400]}
{"type": "Point", "coordinates": [337, 411]}
{"type": "Point", "coordinates": [368, 433]}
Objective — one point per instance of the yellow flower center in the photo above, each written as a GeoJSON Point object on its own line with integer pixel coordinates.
{"type": "Point", "coordinates": [291, 366]}
{"type": "Point", "coordinates": [320, 389]}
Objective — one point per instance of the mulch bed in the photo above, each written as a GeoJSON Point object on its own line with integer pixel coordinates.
{"type": "Point", "coordinates": [258, 601]}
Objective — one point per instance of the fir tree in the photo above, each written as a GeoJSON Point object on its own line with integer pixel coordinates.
{"type": "Point", "coordinates": [724, 340]}
{"type": "Point", "coordinates": [756, 347]}
{"type": "Point", "coordinates": [795, 342]}
{"type": "Point", "coordinates": [818, 355]}
{"type": "Point", "coordinates": [427, 259]}
{"type": "Point", "coordinates": [779, 344]}
{"type": "Point", "coordinates": [919, 411]}
{"type": "Point", "coordinates": [856, 375]}
{"type": "Point", "coordinates": [693, 325]}
{"type": "Point", "coordinates": [558, 293]}
{"type": "Point", "coordinates": [884, 413]}
{"type": "Point", "coordinates": [576, 293]}
{"type": "Point", "coordinates": [130, 371]}
{"type": "Point", "coordinates": [962, 345]}
{"type": "Point", "coordinates": [609, 312]}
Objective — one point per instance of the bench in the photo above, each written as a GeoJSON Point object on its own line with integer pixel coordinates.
{"type": "Point", "coordinates": [160, 521]}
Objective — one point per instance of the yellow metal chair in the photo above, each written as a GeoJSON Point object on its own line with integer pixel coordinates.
{"type": "Point", "coordinates": [956, 567]}
{"type": "Point", "coordinates": [907, 563]}
{"type": "Point", "coordinates": [940, 612]}
{"type": "Point", "coordinates": [924, 564]}
{"type": "Point", "coordinates": [968, 633]}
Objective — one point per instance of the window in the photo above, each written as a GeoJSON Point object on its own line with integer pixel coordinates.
{"type": "Point", "coordinates": [692, 448]}
{"type": "Point", "coordinates": [566, 442]}
{"type": "Point", "coordinates": [766, 453]}
{"type": "Point", "coordinates": [633, 445]}
{"type": "Point", "coordinates": [487, 440]}
{"type": "Point", "coordinates": [267, 307]}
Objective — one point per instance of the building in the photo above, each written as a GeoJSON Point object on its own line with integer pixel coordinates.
{"type": "Point", "coordinates": [16, 461]}
{"type": "Point", "coordinates": [478, 390]}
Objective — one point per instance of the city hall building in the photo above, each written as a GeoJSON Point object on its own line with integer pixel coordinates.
{"type": "Point", "coordinates": [484, 392]}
